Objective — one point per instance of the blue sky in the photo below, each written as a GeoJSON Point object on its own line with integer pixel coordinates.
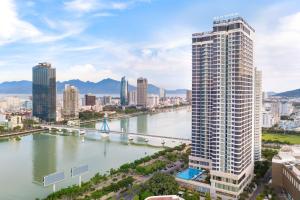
{"type": "Point", "coordinates": [96, 39]}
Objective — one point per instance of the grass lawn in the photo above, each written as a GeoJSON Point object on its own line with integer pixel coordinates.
{"type": "Point", "coordinates": [292, 139]}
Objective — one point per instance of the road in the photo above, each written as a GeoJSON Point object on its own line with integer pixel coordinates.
{"type": "Point", "coordinates": [265, 180]}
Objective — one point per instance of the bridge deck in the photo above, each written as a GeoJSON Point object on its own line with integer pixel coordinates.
{"type": "Point", "coordinates": [119, 132]}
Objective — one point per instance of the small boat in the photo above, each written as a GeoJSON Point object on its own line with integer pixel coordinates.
{"type": "Point", "coordinates": [82, 132]}
{"type": "Point", "coordinates": [146, 140]}
{"type": "Point", "coordinates": [163, 142]}
{"type": "Point", "coordinates": [104, 135]}
{"type": "Point", "coordinates": [130, 138]}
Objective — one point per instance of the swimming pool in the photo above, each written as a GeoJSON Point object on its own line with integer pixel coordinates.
{"type": "Point", "coordinates": [189, 173]}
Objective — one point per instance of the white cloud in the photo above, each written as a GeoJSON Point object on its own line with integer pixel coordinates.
{"type": "Point", "coordinates": [104, 14]}
{"type": "Point", "coordinates": [12, 28]}
{"type": "Point", "coordinates": [81, 5]}
{"type": "Point", "coordinates": [278, 50]}
{"type": "Point", "coordinates": [85, 6]}
{"type": "Point", "coordinates": [163, 61]}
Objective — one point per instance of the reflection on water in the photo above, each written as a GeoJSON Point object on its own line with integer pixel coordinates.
{"type": "Point", "coordinates": [70, 146]}
{"type": "Point", "coordinates": [142, 124]}
{"type": "Point", "coordinates": [124, 125]}
{"type": "Point", "coordinates": [44, 156]}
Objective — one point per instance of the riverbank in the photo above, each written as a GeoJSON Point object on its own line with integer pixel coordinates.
{"type": "Point", "coordinates": [117, 116]}
{"type": "Point", "coordinates": [21, 133]}
{"type": "Point", "coordinates": [115, 184]}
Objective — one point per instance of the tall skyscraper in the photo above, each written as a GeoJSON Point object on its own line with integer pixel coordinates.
{"type": "Point", "coordinates": [257, 114]}
{"type": "Point", "coordinates": [132, 98]}
{"type": "Point", "coordinates": [222, 105]}
{"type": "Point", "coordinates": [142, 87]}
{"type": "Point", "coordinates": [124, 92]}
{"type": "Point", "coordinates": [44, 92]}
{"type": "Point", "coordinates": [188, 95]}
{"type": "Point", "coordinates": [90, 99]}
{"type": "Point", "coordinates": [162, 93]}
{"type": "Point", "coordinates": [71, 102]}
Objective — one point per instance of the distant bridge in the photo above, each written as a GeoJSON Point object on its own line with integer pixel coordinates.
{"type": "Point", "coordinates": [83, 129]}
{"type": "Point", "coordinates": [105, 130]}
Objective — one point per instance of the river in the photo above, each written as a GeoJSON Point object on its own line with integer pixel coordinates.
{"type": "Point", "coordinates": [24, 163]}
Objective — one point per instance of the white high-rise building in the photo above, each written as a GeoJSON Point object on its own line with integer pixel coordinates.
{"type": "Point", "coordinates": [257, 115]}
{"type": "Point", "coordinates": [153, 100]}
{"type": "Point", "coordinates": [132, 98]}
{"type": "Point", "coordinates": [162, 93]}
{"type": "Point", "coordinates": [71, 102]}
{"type": "Point", "coordinates": [222, 105]}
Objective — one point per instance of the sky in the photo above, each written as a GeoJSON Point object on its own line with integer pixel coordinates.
{"type": "Point", "coordinates": [95, 39]}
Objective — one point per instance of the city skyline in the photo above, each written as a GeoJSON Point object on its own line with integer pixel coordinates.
{"type": "Point", "coordinates": [150, 51]}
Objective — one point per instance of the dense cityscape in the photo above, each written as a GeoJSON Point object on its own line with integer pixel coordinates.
{"type": "Point", "coordinates": [223, 138]}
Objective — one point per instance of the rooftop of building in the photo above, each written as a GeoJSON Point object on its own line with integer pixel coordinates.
{"type": "Point", "coordinates": [289, 156]}
{"type": "Point", "coordinates": [167, 197]}
{"type": "Point", "coordinates": [222, 20]}
{"type": "Point", "coordinates": [191, 174]}
{"type": "Point", "coordinates": [229, 19]}
{"type": "Point", "coordinates": [44, 64]}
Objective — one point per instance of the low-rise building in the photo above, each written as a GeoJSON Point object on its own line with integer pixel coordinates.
{"type": "Point", "coordinates": [15, 121]}
{"type": "Point", "coordinates": [286, 171]}
{"type": "Point", "coordinates": [165, 197]}
{"type": "Point", "coordinates": [132, 98]}
{"type": "Point", "coordinates": [106, 100]}
{"type": "Point", "coordinates": [153, 100]}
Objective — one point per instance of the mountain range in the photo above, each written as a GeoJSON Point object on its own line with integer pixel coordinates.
{"type": "Point", "coordinates": [290, 93]}
{"type": "Point", "coordinates": [105, 86]}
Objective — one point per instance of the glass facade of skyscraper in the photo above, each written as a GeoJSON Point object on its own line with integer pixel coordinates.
{"type": "Point", "coordinates": [44, 92]}
{"type": "Point", "coordinates": [124, 92]}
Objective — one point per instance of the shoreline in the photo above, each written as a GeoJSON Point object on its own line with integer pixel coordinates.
{"type": "Point", "coordinates": [121, 116]}
{"type": "Point", "coordinates": [22, 133]}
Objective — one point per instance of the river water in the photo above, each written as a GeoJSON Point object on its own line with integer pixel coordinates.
{"type": "Point", "coordinates": [23, 164]}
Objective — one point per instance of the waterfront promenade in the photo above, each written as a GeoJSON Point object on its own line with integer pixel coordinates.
{"type": "Point", "coordinates": [21, 133]}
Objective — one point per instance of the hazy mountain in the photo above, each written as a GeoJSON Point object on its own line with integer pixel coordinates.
{"type": "Point", "coordinates": [290, 93]}
{"type": "Point", "coordinates": [105, 86]}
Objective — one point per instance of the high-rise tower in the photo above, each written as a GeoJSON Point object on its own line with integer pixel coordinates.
{"type": "Point", "coordinates": [124, 92]}
{"type": "Point", "coordinates": [44, 92]}
{"type": "Point", "coordinates": [142, 87]}
{"type": "Point", "coordinates": [222, 105]}
{"type": "Point", "coordinates": [257, 114]}
{"type": "Point", "coordinates": [71, 102]}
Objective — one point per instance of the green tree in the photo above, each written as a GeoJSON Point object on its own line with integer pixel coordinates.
{"type": "Point", "coordinates": [207, 196]}
{"type": "Point", "coordinates": [17, 128]}
{"type": "Point", "coordinates": [2, 129]}
{"type": "Point", "coordinates": [162, 184]}
{"type": "Point", "coordinates": [145, 194]}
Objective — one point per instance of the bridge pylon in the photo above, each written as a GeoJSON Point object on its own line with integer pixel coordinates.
{"type": "Point", "coordinates": [105, 127]}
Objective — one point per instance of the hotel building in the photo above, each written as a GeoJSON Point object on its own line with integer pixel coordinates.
{"type": "Point", "coordinates": [44, 92]}
{"type": "Point", "coordinates": [223, 79]}
{"type": "Point", "coordinates": [142, 89]}
{"type": "Point", "coordinates": [71, 102]}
